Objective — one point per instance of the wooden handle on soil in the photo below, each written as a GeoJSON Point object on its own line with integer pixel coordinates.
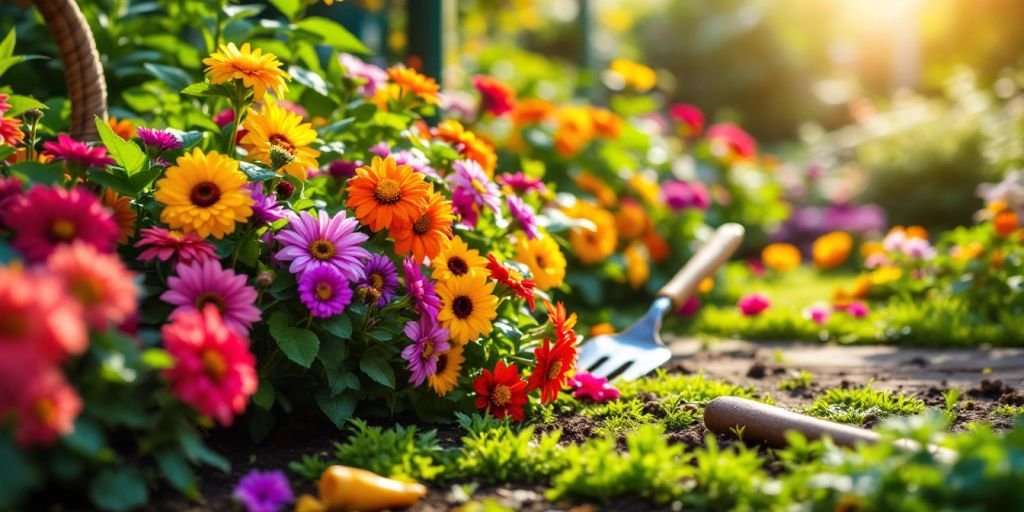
{"type": "Point", "coordinates": [83, 72]}
{"type": "Point", "coordinates": [713, 254]}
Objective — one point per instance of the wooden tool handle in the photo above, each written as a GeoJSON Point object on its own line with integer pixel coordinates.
{"type": "Point", "coordinates": [711, 255]}
{"type": "Point", "coordinates": [767, 424]}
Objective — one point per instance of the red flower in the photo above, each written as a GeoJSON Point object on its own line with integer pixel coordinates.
{"type": "Point", "coordinates": [554, 362]}
{"type": "Point", "coordinates": [71, 150]}
{"type": "Point", "coordinates": [563, 324]}
{"type": "Point", "coordinates": [512, 278]}
{"type": "Point", "coordinates": [502, 393]}
{"type": "Point", "coordinates": [734, 139]}
{"type": "Point", "coordinates": [690, 118]}
{"type": "Point", "coordinates": [47, 217]}
{"type": "Point", "coordinates": [46, 408]}
{"type": "Point", "coordinates": [497, 98]}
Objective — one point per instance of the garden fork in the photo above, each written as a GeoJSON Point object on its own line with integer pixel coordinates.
{"type": "Point", "coordinates": [639, 350]}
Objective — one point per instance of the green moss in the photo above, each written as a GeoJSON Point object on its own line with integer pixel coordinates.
{"type": "Point", "coordinates": [696, 388]}
{"type": "Point", "coordinates": [497, 452]}
{"type": "Point", "coordinates": [1008, 411]}
{"type": "Point", "coordinates": [855, 405]}
{"type": "Point", "coordinates": [398, 452]}
{"type": "Point", "coordinates": [802, 380]}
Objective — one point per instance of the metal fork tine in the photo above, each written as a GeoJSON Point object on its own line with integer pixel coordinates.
{"type": "Point", "coordinates": [645, 364]}
{"type": "Point", "coordinates": [589, 354]}
{"type": "Point", "coordinates": [615, 361]}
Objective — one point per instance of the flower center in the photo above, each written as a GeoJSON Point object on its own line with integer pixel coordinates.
{"type": "Point", "coordinates": [177, 236]}
{"type": "Point", "coordinates": [45, 410]}
{"type": "Point", "coordinates": [422, 225]}
{"type": "Point", "coordinates": [554, 370]}
{"type": "Point", "coordinates": [282, 142]}
{"type": "Point", "coordinates": [501, 395]}
{"type": "Point", "coordinates": [62, 230]}
{"type": "Point", "coordinates": [442, 362]}
{"type": "Point", "coordinates": [478, 186]}
{"type": "Point", "coordinates": [324, 291]}
{"type": "Point", "coordinates": [214, 365]}
{"type": "Point", "coordinates": [388, 191]}
{"type": "Point", "coordinates": [428, 350]}
{"type": "Point", "coordinates": [13, 326]}
{"type": "Point", "coordinates": [213, 298]}
{"type": "Point", "coordinates": [321, 249]}
{"type": "Point", "coordinates": [205, 194]}
{"type": "Point", "coordinates": [540, 262]}
{"type": "Point", "coordinates": [514, 276]}
{"type": "Point", "coordinates": [86, 291]}
{"type": "Point", "coordinates": [458, 266]}
{"type": "Point", "coordinates": [462, 306]}
{"type": "Point", "coordinates": [377, 281]}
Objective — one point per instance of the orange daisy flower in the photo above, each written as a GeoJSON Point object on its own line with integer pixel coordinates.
{"type": "Point", "coordinates": [124, 215]}
{"type": "Point", "coordinates": [122, 127]}
{"type": "Point", "coordinates": [467, 144]}
{"type": "Point", "coordinates": [562, 323]}
{"type": "Point", "coordinates": [532, 110]}
{"type": "Point", "coordinates": [384, 193]}
{"type": "Point", "coordinates": [511, 278]}
{"type": "Point", "coordinates": [554, 363]}
{"type": "Point", "coordinates": [427, 234]}
{"type": "Point", "coordinates": [413, 82]}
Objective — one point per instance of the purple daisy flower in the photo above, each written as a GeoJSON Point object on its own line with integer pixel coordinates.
{"type": "Point", "coordinates": [520, 182]}
{"type": "Point", "coordinates": [381, 149]}
{"type": "Point", "coordinates": [429, 341]}
{"type": "Point", "coordinates": [206, 282]}
{"type": "Point", "coordinates": [421, 289]}
{"type": "Point", "coordinates": [265, 208]}
{"type": "Point", "coordinates": [680, 195]}
{"type": "Point", "coordinates": [158, 139]}
{"type": "Point", "coordinates": [380, 282]}
{"type": "Point", "coordinates": [524, 215]}
{"type": "Point", "coordinates": [470, 177]}
{"type": "Point", "coordinates": [324, 291]}
{"type": "Point", "coordinates": [264, 491]}
{"type": "Point", "coordinates": [464, 207]}
{"type": "Point", "coordinates": [417, 160]}
{"type": "Point", "coordinates": [323, 241]}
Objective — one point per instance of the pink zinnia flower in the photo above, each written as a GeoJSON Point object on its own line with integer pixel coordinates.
{"type": "Point", "coordinates": [421, 290]}
{"type": "Point", "coordinates": [99, 282]}
{"type": "Point", "coordinates": [471, 179]}
{"type": "Point", "coordinates": [878, 259]}
{"type": "Point", "coordinates": [205, 282]}
{"type": "Point", "coordinates": [592, 387]}
{"type": "Point", "coordinates": [265, 207]}
{"type": "Point", "coordinates": [46, 408]}
{"type": "Point", "coordinates": [343, 168]}
{"type": "Point", "coordinates": [10, 189]}
{"type": "Point", "coordinates": [918, 249]}
{"type": "Point", "coordinates": [818, 313]}
{"type": "Point", "coordinates": [162, 244]}
{"type": "Point", "coordinates": [753, 304]}
{"type": "Point", "coordinates": [46, 217]}
{"type": "Point", "coordinates": [70, 150]}
{"type": "Point", "coordinates": [323, 241]}
{"type": "Point", "coordinates": [690, 307]}
{"type": "Point", "coordinates": [524, 216]}
{"type": "Point", "coordinates": [689, 117]}
{"type": "Point", "coordinates": [429, 341]}
{"type": "Point", "coordinates": [858, 309]}
{"type": "Point", "coordinates": [680, 195]}
{"type": "Point", "coordinates": [224, 117]}
{"type": "Point", "coordinates": [158, 139]}
{"type": "Point", "coordinates": [324, 291]}
{"type": "Point", "coordinates": [733, 139]}
{"type": "Point", "coordinates": [38, 321]}
{"type": "Point", "coordinates": [374, 77]}
{"type": "Point", "coordinates": [520, 182]}
{"type": "Point", "coordinates": [464, 206]}
{"type": "Point", "coordinates": [213, 371]}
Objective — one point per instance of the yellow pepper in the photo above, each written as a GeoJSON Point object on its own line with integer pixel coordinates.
{"type": "Point", "coordinates": [345, 489]}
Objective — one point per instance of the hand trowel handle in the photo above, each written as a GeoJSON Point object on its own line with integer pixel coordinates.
{"type": "Point", "coordinates": [713, 254]}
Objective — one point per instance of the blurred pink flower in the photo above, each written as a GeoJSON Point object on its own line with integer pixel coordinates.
{"type": "Point", "coordinates": [590, 386]}
{"type": "Point", "coordinates": [818, 313]}
{"type": "Point", "coordinates": [689, 117]}
{"type": "Point", "coordinates": [753, 304]}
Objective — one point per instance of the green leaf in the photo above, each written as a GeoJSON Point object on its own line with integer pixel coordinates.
{"type": "Point", "coordinates": [7, 45]}
{"type": "Point", "coordinates": [188, 139]}
{"type": "Point", "coordinates": [6, 151]}
{"type": "Point", "coordinates": [157, 358]}
{"type": "Point", "coordinates": [340, 380]}
{"type": "Point", "coordinates": [139, 181]}
{"type": "Point", "coordinates": [339, 408]}
{"type": "Point", "coordinates": [35, 172]}
{"type": "Point", "coordinates": [332, 34]}
{"type": "Point", "coordinates": [199, 89]}
{"type": "Point", "coordinates": [264, 396]}
{"type": "Point", "coordinates": [113, 180]}
{"type": "Point", "coordinates": [175, 78]}
{"type": "Point", "coordinates": [309, 79]}
{"type": "Point", "coordinates": [256, 172]}
{"type": "Point", "coordinates": [195, 450]}
{"type": "Point", "coordinates": [380, 335]}
{"type": "Point", "coordinates": [300, 345]}
{"type": "Point", "coordinates": [19, 104]}
{"type": "Point", "coordinates": [290, 8]}
{"type": "Point", "coordinates": [18, 474]}
{"type": "Point", "coordinates": [118, 489]}
{"type": "Point", "coordinates": [339, 325]}
{"type": "Point", "coordinates": [126, 153]}
{"type": "Point", "coordinates": [377, 368]}
{"type": "Point", "coordinates": [86, 439]}
{"type": "Point", "coordinates": [249, 252]}
{"type": "Point", "coordinates": [176, 471]}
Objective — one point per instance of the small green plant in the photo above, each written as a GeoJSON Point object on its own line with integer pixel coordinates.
{"type": "Point", "coordinates": [398, 452]}
{"type": "Point", "coordinates": [505, 454]}
{"type": "Point", "coordinates": [1008, 411]}
{"type": "Point", "coordinates": [855, 405]}
{"type": "Point", "coordinates": [802, 380]}
{"type": "Point", "coordinates": [696, 389]}
{"type": "Point", "coordinates": [727, 479]}
{"type": "Point", "coordinates": [650, 468]}
{"type": "Point", "coordinates": [309, 467]}
{"type": "Point", "coordinates": [950, 398]}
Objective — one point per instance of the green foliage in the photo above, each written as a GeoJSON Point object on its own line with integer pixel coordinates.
{"type": "Point", "coordinates": [1008, 411]}
{"type": "Point", "coordinates": [690, 388]}
{"type": "Point", "coordinates": [802, 380]}
{"type": "Point", "coordinates": [499, 453]}
{"type": "Point", "coordinates": [729, 479]}
{"type": "Point", "coordinates": [398, 452]}
{"type": "Point", "coordinates": [649, 468]}
{"type": "Point", "coordinates": [855, 405]}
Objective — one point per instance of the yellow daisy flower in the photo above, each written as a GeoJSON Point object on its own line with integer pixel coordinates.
{"type": "Point", "coordinates": [277, 126]}
{"type": "Point", "coordinates": [205, 194]}
{"type": "Point", "coordinates": [544, 259]}
{"type": "Point", "coordinates": [449, 364]}
{"type": "Point", "coordinates": [257, 70]}
{"type": "Point", "coordinates": [597, 245]}
{"type": "Point", "coordinates": [637, 268]}
{"type": "Point", "coordinates": [457, 259]}
{"type": "Point", "coordinates": [468, 305]}
{"type": "Point", "coordinates": [412, 82]}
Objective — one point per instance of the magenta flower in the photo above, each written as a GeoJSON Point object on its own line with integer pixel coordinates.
{"type": "Point", "coordinates": [204, 282]}
{"type": "Point", "coordinates": [590, 386]}
{"type": "Point", "coordinates": [417, 160]}
{"type": "Point", "coordinates": [373, 76]}
{"type": "Point", "coordinates": [224, 117]}
{"type": "Point", "coordinates": [429, 341]}
{"type": "Point", "coordinates": [323, 241]}
{"type": "Point", "coordinates": [753, 304]}
{"type": "Point", "coordinates": [381, 149]}
{"type": "Point", "coordinates": [523, 214]}
{"type": "Point", "coordinates": [470, 178]}
{"type": "Point", "coordinates": [324, 291]}
{"type": "Point", "coordinates": [260, 491]}
{"type": "Point", "coordinates": [464, 207]}
{"type": "Point", "coordinates": [10, 189]}
{"type": "Point", "coordinates": [918, 249]}
{"type": "Point", "coordinates": [47, 217]}
{"type": "Point", "coordinates": [265, 208]}
{"type": "Point", "coordinates": [858, 309]}
{"type": "Point", "coordinates": [520, 182]}
{"type": "Point", "coordinates": [734, 139]}
{"type": "Point", "coordinates": [424, 298]}
{"type": "Point", "coordinates": [689, 117]}
{"type": "Point", "coordinates": [159, 139]}
{"type": "Point", "coordinates": [70, 150]}
{"type": "Point", "coordinates": [162, 244]}
{"type": "Point", "coordinates": [343, 168]}
{"type": "Point", "coordinates": [690, 307]}
{"type": "Point", "coordinates": [818, 313]}
{"type": "Point", "coordinates": [380, 282]}
{"type": "Point", "coordinates": [680, 195]}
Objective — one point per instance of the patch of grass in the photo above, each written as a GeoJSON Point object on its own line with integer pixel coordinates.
{"type": "Point", "coordinates": [499, 452]}
{"type": "Point", "coordinates": [650, 468]}
{"type": "Point", "coordinates": [855, 405]}
{"type": "Point", "coordinates": [397, 452]}
{"type": "Point", "coordinates": [696, 389]}
{"type": "Point", "coordinates": [802, 380]}
{"type": "Point", "coordinates": [729, 479]}
{"type": "Point", "coordinates": [1008, 411]}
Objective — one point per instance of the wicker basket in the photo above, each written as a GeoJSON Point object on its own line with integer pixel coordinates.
{"type": "Point", "coordinates": [83, 72]}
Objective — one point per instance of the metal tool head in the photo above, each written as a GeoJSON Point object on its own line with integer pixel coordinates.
{"type": "Point", "coordinates": [629, 354]}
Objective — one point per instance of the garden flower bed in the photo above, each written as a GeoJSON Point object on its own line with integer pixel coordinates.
{"type": "Point", "coordinates": [272, 256]}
